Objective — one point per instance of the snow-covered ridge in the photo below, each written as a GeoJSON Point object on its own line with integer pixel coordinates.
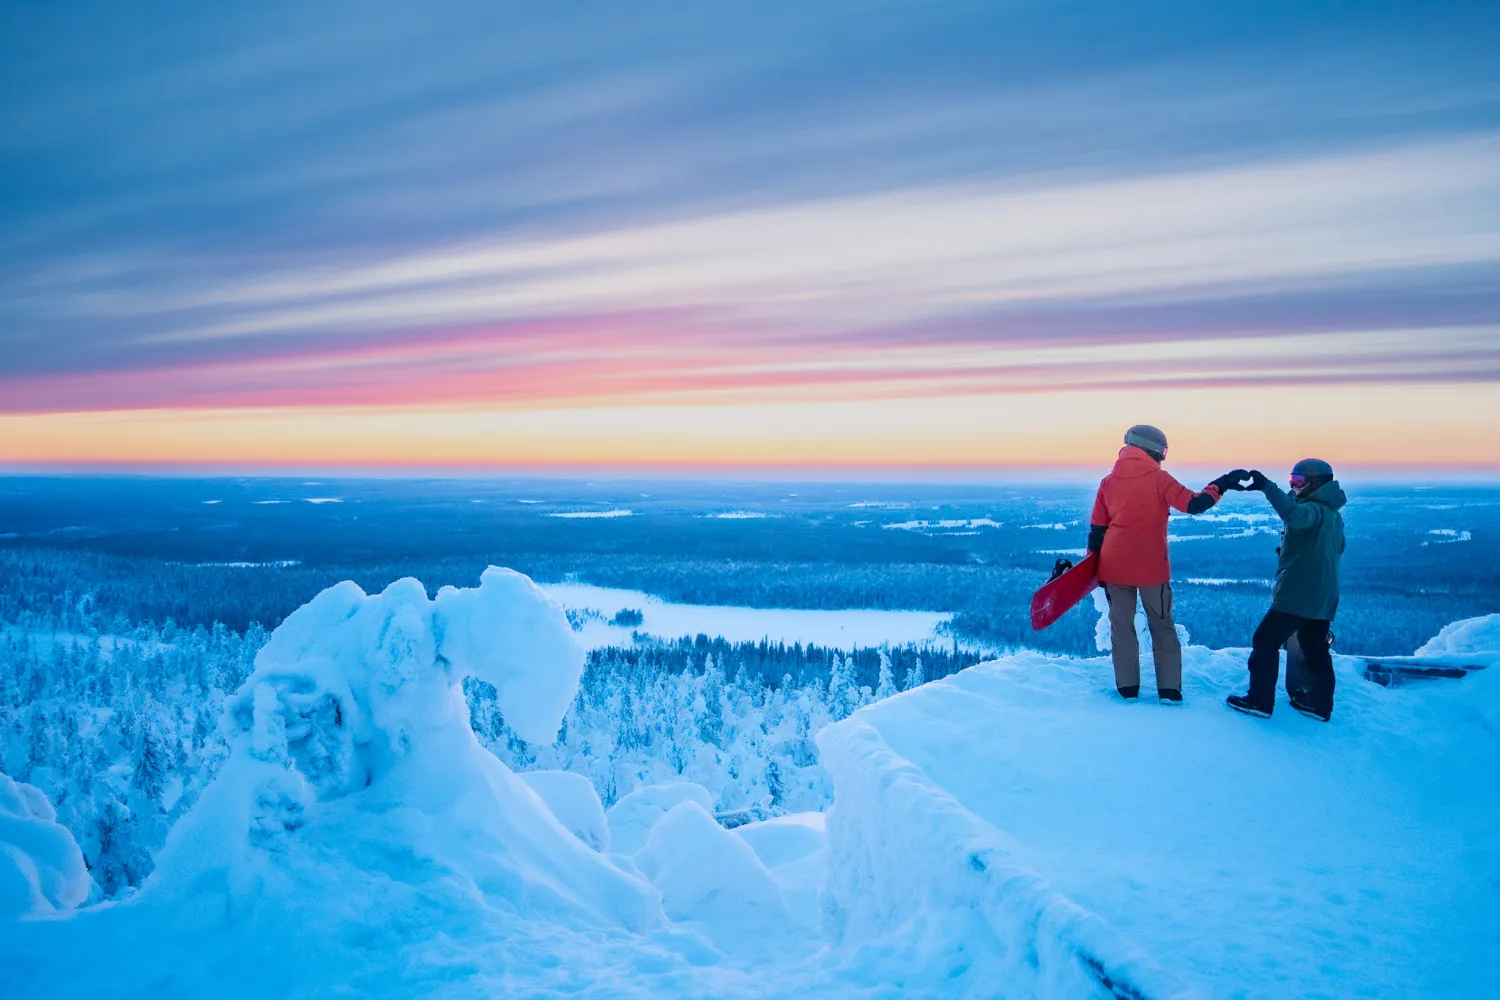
{"type": "Point", "coordinates": [915, 878]}
{"type": "Point", "coordinates": [1017, 827]}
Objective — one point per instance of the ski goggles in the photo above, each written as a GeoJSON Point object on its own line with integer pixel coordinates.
{"type": "Point", "coordinates": [1298, 480]}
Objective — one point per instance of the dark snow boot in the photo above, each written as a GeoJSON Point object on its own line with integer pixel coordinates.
{"type": "Point", "coordinates": [1169, 697]}
{"type": "Point", "coordinates": [1242, 703]}
{"type": "Point", "coordinates": [1309, 711]}
{"type": "Point", "coordinates": [1129, 693]}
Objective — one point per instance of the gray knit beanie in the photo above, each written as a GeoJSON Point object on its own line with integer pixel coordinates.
{"type": "Point", "coordinates": [1147, 438]}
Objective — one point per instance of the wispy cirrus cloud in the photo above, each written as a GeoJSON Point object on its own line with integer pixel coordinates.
{"type": "Point", "coordinates": [978, 281]}
{"type": "Point", "coordinates": [521, 208]}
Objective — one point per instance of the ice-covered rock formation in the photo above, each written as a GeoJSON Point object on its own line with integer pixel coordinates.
{"type": "Point", "coordinates": [352, 732]}
{"type": "Point", "coordinates": [41, 867]}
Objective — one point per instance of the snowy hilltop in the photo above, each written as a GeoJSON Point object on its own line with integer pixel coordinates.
{"type": "Point", "coordinates": [1012, 830]}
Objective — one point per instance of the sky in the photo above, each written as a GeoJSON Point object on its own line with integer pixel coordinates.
{"type": "Point", "coordinates": [481, 235]}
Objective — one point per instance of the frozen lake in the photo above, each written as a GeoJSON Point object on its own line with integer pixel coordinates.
{"type": "Point", "coordinates": [666, 620]}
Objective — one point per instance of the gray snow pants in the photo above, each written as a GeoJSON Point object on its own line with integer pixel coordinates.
{"type": "Point", "coordinates": [1125, 648]}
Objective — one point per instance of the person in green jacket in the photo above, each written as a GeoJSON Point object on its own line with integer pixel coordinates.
{"type": "Point", "coordinates": [1306, 594]}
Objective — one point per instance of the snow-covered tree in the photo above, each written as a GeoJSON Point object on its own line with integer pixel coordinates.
{"type": "Point", "coordinates": [886, 685]}
{"type": "Point", "coordinates": [915, 677]}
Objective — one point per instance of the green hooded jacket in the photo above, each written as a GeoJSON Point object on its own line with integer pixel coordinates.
{"type": "Point", "coordinates": [1312, 541]}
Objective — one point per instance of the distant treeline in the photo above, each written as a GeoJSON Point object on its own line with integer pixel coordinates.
{"type": "Point", "coordinates": [1395, 597]}
{"type": "Point", "coordinates": [770, 664]}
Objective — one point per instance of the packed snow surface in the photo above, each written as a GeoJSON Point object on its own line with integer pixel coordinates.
{"type": "Point", "coordinates": [667, 620]}
{"type": "Point", "coordinates": [794, 849]}
{"type": "Point", "coordinates": [572, 799]}
{"type": "Point", "coordinates": [1021, 827]}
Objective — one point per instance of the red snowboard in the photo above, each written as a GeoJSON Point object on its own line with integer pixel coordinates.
{"type": "Point", "coordinates": [1058, 597]}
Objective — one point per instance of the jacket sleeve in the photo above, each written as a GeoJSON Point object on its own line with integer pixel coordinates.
{"type": "Point", "coordinates": [1098, 521]}
{"type": "Point", "coordinates": [1180, 497]}
{"type": "Point", "coordinates": [1101, 512]}
{"type": "Point", "coordinates": [1296, 515]}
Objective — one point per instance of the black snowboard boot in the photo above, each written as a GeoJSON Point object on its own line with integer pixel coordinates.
{"type": "Point", "coordinates": [1129, 693]}
{"type": "Point", "coordinates": [1242, 703]}
{"type": "Point", "coordinates": [1309, 711]}
{"type": "Point", "coordinates": [1169, 697]}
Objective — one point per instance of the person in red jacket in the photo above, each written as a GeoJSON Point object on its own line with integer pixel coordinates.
{"type": "Point", "coordinates": [1129, 531]}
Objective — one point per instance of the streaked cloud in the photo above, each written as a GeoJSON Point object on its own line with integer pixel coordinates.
{"type": "Point", "coordinates": [518, 210]}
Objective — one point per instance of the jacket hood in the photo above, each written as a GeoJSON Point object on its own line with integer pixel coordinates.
{"type": "Point", "coordinates": [1330, 494]}
{"type": "Point", "coordinates": [1134, 463]}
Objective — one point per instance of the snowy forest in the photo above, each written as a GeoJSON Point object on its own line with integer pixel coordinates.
{"type": "Point", "coordinates": [126, 618]}
{"type": "Point", "coordinates": [122, 730]}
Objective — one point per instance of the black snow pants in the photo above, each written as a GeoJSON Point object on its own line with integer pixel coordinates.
{"type": "Point", "coordinates": [1265, 660]}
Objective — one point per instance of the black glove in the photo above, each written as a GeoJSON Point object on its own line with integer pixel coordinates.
{"type": "Point", "coordinates": [1258, 481]}
{"type": "Point", "coordinates": [1231, 480]}
{"type": "Point", "coordinates": [1059, 568]}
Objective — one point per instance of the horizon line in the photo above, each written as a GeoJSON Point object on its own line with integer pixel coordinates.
{"type": "Point", "coordinates": [954, 473]}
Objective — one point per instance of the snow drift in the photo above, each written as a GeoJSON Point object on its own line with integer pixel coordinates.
{"type": "Point", "coordinates": [1475, 639]}
{"type": "Point", "coordinates": [706, 873]}
{"type": "Point", "coordinates": [41, 868]}
{"type": "Point", "coordinates": [632, 818]}
{"type": "Point", "coordinates": [572, 799]}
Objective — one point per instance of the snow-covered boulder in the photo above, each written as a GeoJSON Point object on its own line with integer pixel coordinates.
{"type": "Point", "coordinates": [632, 817]}
{"type": "Point", "coordinates": [706, 873]}
{"type": "Point", "coordinates": [572, 799]}
{"type": "Point", "coordinates": [1469, 637]}
{"type": "Point", "coordinates": [353, 766]}
{"type": "Point", "coordinates": [41, 867]}
{"type": "Point", "coordinates": [794, 850]}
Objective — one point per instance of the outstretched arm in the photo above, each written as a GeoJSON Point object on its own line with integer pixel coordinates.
{"type": "Point", "coordinates": [1200, 502]}
{"type": "Point", "coordinates": [1296, 515]}
{"type": "Point", "coordinates": [1214, 492]}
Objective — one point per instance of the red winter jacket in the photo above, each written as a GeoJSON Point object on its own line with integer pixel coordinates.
{"type": "Point", "coordinates": [1133, 504]}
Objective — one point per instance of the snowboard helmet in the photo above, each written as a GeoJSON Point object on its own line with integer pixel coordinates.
{"type": "Point", "coordinates": [1314, 472]}
{"type": "Point", "coordinates": [1149, 439]}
